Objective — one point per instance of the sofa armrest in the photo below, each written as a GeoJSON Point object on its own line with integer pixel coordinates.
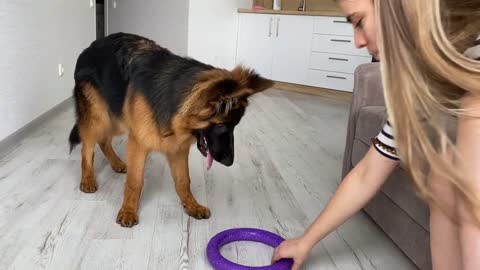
{"type": "Point", "coordinates": [367, 91]}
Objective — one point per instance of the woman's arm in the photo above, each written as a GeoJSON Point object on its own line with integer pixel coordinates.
{"type": "Point", "coordinates": [358, 187]}
{"type": "Point", "coordinates": [468, 146]}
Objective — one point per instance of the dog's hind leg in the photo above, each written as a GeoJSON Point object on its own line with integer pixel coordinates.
{"type": "Point", "coordinates": [115, 162]}
{"type": "Point", "coordinates": [136, 156]}
{"type": "Point", "coordinates": [88, 183]}
{"type": "Point", "coordinates": [93, 122]}
{"type": "Point", "coordinates": [179, 166]}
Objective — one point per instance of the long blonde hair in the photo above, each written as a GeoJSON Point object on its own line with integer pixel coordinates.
{"type": "Point", "coordinates": [425, 76]}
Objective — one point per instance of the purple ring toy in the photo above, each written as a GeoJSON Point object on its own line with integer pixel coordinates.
{"type": "Point", "coordinates": [244, 234]}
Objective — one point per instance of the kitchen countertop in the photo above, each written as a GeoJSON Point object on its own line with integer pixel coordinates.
{"type": "Point", "coordinates": [326, 12]}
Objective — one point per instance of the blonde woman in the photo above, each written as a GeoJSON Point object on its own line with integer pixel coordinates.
{"type": "Point", "coordinates": [430, 63]}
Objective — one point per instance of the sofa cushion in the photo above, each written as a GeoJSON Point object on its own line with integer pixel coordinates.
{"type": "Point", "coordinates": [369, 123]}
{"type": "Point", "coordinates": [400, 189]}
{"type": "Point", "coordinates": [405, 231]}
{"type": "Point", "coordinates": [359, 149]}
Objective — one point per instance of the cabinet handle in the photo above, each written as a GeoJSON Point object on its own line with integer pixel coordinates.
{"type": "Point", "coordinates": [338, 59]}
{"type": "Point", "coordinates": [278, 26]}
{"type": "Point", "coordinates": [336, 77]}
{"type": "Point", "coordinates": [270, 27]}
{"type": "Point", "coordinates": [341, 40]}
{"type": "Point", "coordinates": [336, 21]}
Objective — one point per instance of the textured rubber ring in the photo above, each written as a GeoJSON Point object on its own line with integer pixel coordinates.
{"type": "Point", "coordinates": [218, 262]}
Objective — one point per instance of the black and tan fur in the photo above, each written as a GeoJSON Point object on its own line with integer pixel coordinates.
{"type": "Point", "coordinates": [127, 84]}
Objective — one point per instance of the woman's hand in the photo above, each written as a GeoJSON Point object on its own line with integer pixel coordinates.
{"type": "Point", "coordinates": [296, 249]}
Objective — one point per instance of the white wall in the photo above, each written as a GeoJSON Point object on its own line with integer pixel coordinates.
{"type": "Point", "coordinates": [35, 36]}
{"type": "Point", "coordinates": [212, 30]}
{"type": "Point", "coordinates": [203, 29]}
{"type": "Point", "coordinates": [164, 21]}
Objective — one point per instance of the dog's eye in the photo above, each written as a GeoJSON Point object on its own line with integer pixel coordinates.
{"type": "Point", "coordinates": [227, 105]}
{"type": "Point", "coordinates": [220, 107]}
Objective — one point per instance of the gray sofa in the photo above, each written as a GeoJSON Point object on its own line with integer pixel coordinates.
{"type": "Point", "coordinates": [396, 209]}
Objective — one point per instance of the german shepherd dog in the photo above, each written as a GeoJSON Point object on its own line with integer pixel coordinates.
{"type": "Point", "coordinates": [127, 84]}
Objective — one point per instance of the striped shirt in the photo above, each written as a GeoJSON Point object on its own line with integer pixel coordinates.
{"type": "Point", "coordinates": [385, 142]}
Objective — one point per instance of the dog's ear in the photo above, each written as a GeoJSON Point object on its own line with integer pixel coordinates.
{"type": "Point", "coordinates": [215, 89]}
{"type": "Point", "coordinates": [257, 83]}
{"type": "Point", "coordinates": [251, 79]}
{"type": "Point", "coordinates": [225, 87]}
{"type": "Point", "coordinates": [211, 89]}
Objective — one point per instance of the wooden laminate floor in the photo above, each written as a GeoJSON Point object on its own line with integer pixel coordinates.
{"type": "Point", "coordinates": [289, 150]}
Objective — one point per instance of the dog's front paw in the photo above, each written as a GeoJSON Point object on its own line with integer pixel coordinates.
{"type": "Point", "coordinates": [127, 218]}
{"type": "Point", "coordinates": [198, 211]}
{"type": "Point", "coordinates": [88, 186]}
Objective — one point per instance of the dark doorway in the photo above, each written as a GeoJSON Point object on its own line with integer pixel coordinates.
{"type": "Point", "coordinates": [100, 18]}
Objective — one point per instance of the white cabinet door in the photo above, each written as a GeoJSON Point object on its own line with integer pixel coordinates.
{"type": "Point", "coordinates": [255, 39]}
{"type": "Point", "coordinates": [291, 48]}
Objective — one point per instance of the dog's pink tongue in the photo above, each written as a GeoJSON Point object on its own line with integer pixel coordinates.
{"type": "Point", "coordinates": [209, 160]}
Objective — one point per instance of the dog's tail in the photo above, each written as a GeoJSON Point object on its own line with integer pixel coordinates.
{"type": "Point", "coordinates": [74, 137]}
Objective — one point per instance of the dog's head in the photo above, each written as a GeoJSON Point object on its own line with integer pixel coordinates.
{"type": "Point", "coordinates": [216, 105]}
